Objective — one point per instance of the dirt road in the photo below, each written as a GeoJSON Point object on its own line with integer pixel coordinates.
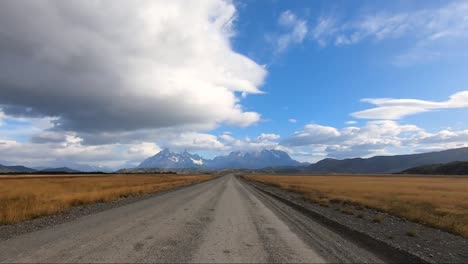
{"type": "Point", "coordinates": [223, 220]}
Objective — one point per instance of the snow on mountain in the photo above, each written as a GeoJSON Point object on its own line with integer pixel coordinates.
{"type": "Point", "coordinates": [168, 159]}
{"type": "Point", "coordinates": [198, 162]}
{"type": "Point", "coordinates": [248, 160]}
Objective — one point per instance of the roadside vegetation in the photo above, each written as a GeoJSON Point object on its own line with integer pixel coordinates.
{"type": "Point", "coordinates": [27, 197]}
{"type": "Point", "coordinates": [440, 202]}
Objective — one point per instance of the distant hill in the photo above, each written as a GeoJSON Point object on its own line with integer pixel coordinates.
{"type": "Point", "coordinates": [235, 160]}
{"type": "Point", "coordinates": [452, 168]}
{"type": "Point", "coordinates": [60, 170]}
{"type": "Point", "coordinates": [16, 169]}
{"type": "Point", "coordinates": [76, 166]}
{"type": "Point", "coordinates": [23, 169]}
{"type": "Point", "coordinates": [387, 164]}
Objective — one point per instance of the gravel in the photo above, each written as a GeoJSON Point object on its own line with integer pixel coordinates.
{"type": "Point", "coordinates": [380, 229]}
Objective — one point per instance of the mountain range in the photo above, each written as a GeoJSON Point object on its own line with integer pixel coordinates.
{"type": "Point", "coordinates": [279, 161]}
{"type": "Point", "coordinates": [15, 169]}
{"type": "Point", "coordinates": [387, 164]}
{"type": "Point", "coordinates": [276, 161]}
{"type": "Point", "coordinates": [23, 169]}
{"type": "Point", "coordinates": [168, 159]}
{"type": "Point", "coordinates": [244, 160]}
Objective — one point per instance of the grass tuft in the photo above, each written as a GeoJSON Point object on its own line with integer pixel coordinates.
{"type": "Point", "coordinates": [411, 233]}
{"type": "Point", "coordinates": [347, 211]}
{"type": "Point", "coordinates": [378, 219]}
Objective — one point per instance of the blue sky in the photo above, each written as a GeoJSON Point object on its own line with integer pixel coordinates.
{"type": "Point", "coordinates": [309, 79]}
{"type": "Point", "coordinates": [314, 78]}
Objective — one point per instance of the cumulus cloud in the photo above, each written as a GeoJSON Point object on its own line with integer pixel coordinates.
{"type": "Point", "coordinates": [107, 67]}
{"type": "Point", "coordinates": [445, 136]}
{"type": "Point", "coordinates": [351, 122]}
{"type": "Point", "coordinates": [296, 30]}
{"type": "Point", "coordinates": [69, 149]}
{"type": "Point", "coordinates": [197, 141]}
{"type": "Point", "coordinates": [49, 137]}
{"type": "Point", "coordinates": [292, 120]}
{"type": "Point", "coordinates": [145, 149]}
{"type": "Point", "coordinates": [193, 141]}
{"type": "Point", "coordinates": [70, 152]}
{"type": "Point", "coordinates": [263, 141]}
{"type": "Point", "coordinates": [373, 138]}
{"type": "Point", "coordinates": [312, 134]}
{"type": "Point", "coordinates": [393, 109]}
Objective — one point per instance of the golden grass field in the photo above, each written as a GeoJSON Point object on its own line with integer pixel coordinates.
{"type": "Point", "coordinates": [28, 197]}
{"type": "Point", "coordinates": [440, 202]}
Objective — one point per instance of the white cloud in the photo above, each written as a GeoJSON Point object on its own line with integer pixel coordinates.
{"type": "Point", "coordinates": [445, 136]}
{"type": "Point", "coordinates": [351, 122]}
{"type": "Point", "coordinates": [448, 21]}
{"type": "Point", "coordinates": [264, 137]}
{"type": "Point", "coordinates": [145, 149]}
{"type": "Point", "coordinates": [263, 141]}
{"type": "Point", "coordinates": [435, 33]}
{"type": "Point", "coordinates": [71, 151]}
{"type": "Point", "coordinates": [102, 67]}
{"type": "Point", "coordinates": [296, 30]}
{"type": "Point", "coordinates": [194, 141]}
{"type": "Point", "coordinates": [326, 27]}
{"type": "Point", "coordinates": [68, 148]}
{"type": "Point", "coordinates": [312, 134]}
{"type": "Point", "coordinates": [2, 115]}
{"type": "Point", "coordinates": [382, 137]}
{"type": "Point", "coordinates": [377, 26]}
{"type": "Point", "coordinates": [374, 138]}
{"type": "Point", "coordinates": [292, 120]}
{"type": "Point", "coordinates": [393, 109]}
{"type": "Point", "coordinates": [312, 143]}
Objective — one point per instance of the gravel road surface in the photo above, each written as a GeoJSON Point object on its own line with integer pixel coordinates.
{"type": "Point", "coordinates": [222, 220]}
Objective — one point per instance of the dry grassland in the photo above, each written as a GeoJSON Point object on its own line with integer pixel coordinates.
{"type": "Point", "coordinates": [27, 197]}
{"type": "Point", "coordinates": [440, 202]}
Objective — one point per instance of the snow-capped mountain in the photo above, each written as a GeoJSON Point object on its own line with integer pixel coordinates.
{"type": "Point", "coordinates": [253, 160]}
{"type": "Point", "coordinates": [247, 160]}
{"type": "Point", "coordinates": [168, 159]}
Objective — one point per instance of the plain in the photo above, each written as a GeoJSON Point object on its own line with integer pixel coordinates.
{"type": "Point", "coordinates": [437, 201]}
{"type": "Point", "coordinates": [30, 196]}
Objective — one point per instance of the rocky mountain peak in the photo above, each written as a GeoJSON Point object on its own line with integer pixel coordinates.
{"type": "Point", "coordinates": [236, 159]}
